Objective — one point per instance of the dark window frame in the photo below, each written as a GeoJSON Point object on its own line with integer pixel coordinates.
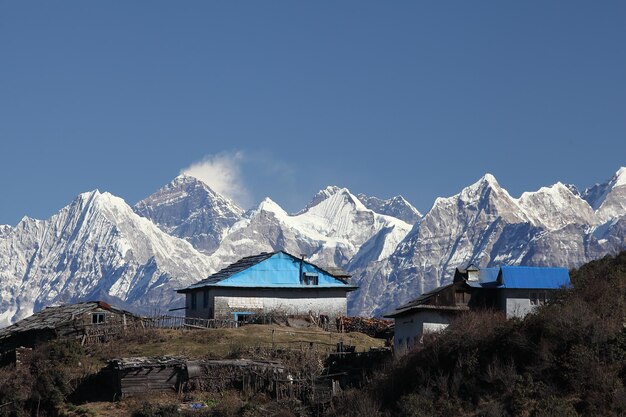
{"type": "Point", "coordinates": [310, 278]}
{"type": "Point", "coordinates": [98, 318]}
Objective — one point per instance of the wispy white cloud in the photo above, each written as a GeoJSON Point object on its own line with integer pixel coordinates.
{"type": "Point", "coordinates": [222, 172]}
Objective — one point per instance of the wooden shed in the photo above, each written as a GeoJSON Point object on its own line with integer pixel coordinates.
{"type": "Point", "coordinates": [131, 376]}
{"type": "Point", "coordinates": [87, 322]}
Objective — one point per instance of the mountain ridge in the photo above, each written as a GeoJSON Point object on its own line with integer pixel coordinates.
{"type": "Point", "coordinates": [99, 246]}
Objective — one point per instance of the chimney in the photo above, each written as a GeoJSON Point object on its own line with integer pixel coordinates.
{"type": "Point", "coordinates": [473, 273]}
{"type": "Point", "coordinates": [302, 256]}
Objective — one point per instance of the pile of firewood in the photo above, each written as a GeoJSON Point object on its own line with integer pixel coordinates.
{"type": "Point", "coordinates": [373, 327]}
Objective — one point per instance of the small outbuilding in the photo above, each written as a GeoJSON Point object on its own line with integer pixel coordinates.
{"type": "Point", "coordinates": [84, 321]}
{"type": "Point", "coordinates": [428, 313]}
{"type": "Point", "coordinates": [274, 282]}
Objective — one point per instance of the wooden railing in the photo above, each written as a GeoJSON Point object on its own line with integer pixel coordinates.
{"type": "Point", "coordinates": [180, 322]}
{"type": "Point", "coordinates": [99, 332]}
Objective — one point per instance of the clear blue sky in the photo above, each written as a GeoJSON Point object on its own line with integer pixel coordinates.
{"type": "Point", "coordinates": [412, 98]}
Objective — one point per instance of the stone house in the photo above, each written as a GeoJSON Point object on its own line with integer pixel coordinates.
{"type": "Point", "coordinates": [514, 290]}
{"type": "Point", "coordinates": [274, 282]}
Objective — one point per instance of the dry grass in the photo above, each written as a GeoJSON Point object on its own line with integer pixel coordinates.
{"type": "Point", "coordinates": [221, 343]}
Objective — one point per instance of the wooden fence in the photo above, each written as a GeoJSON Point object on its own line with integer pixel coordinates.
{"type": "Point", "coordinates": [102, 332]}
{"type": "Point", "coordinates": [180, 322]}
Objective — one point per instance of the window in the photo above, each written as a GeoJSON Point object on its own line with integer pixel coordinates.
{"type": "Point", "coordinates": [205, 301]}
{"type": "Point", "coordinates": [310, 279]}
{"type": "Point", "coordinates": [97, 318]}
{"type": "Point", "coordinates": [193, 301]}
{"type": "Point", "coordinates": [461, 297]}
{"type": "Point", "coordinates": [537, 298]}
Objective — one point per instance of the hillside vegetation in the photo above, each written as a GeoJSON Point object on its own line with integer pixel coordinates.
{"type": "Point", "coordinates": [46, 385]}
{"type": "Point", "coordinates": [569, 359]}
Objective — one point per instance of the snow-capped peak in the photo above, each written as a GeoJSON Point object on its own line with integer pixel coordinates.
{"type": "Point", "coordinates": [480, 187]}
{"type": "Point", "coordinates": [340, 201]}
{"type": "Point", "coordinates": [555, 206]}
{"type": "Point", "coordinates": [188, 208]}
{"type": "Point", "coordinates": [484, 182]}
{"type": "Point", "coordinates": [489, 178]}
{"type": "Point", "coordinates": [619, 179]}
{"type": "Point", "coordinates": [608, 199]}
{"type": "Point", "coordinates": [271, 206]}
{"type": "Point", "coordinates": [320, 196]}
{"type": "Point", "coordinates": [396, 206]}
{"type": "Point", "coordinates": [597, 194]}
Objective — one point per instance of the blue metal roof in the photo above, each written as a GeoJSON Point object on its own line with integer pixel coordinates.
{"type": "Point", "coordinates": [533, 277]}
{"type": "Point", "coordinates": [270, 270]}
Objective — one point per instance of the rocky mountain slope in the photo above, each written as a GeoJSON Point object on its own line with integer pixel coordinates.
{"type": "Point", "coordinates": [187, 208]}
{"type": "Point", "coordinates": [95, 248]}
{"type": "Point", "coordinates": [99, 247]}
{"type": "Point", "coordinates": [335, 229]}
{"type": "Point", "coordinates": [484, 225]}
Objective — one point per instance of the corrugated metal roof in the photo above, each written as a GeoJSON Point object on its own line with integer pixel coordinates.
{"type": "Point", "coordinates": [511, 277]}
{"type": "Point", "coordinates": [232, 269]}
{"type": "Point", "coordinates": [257, 279]}
{"type": "Point", "coordinates": [533, 277]}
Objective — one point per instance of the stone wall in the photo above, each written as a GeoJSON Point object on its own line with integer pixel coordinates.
{"type": "Point", "coordinates": [223, 302]}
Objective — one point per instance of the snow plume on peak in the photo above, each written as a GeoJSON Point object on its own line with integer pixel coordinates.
{"type": "Point", "coordinates": [222, 172]}
{"type": "Point", "coordinates": [189, 209]}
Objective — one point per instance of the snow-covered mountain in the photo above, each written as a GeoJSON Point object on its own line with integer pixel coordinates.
{"type": "Point", "coordinates": [331, 230]}
{"type": "Point", "coordinates": [99, 247]}
{"type": "Point", "coordinates": [96, 247]}
{"type": "Point", "coordinates": [396, 207]}
{"type": "Point", "coordinates": [483, 224]}
{"type": "Point", "coordinates": [190, 209]}
{"type": "Point", "coordinates": [608, 199]}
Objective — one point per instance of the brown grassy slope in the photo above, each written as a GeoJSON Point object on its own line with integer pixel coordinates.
{"type": "Point", "coordinates": [220, 343]}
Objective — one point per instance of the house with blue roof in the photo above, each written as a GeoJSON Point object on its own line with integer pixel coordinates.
{"type": "Point", "coordinates": [514, 290]}
{"type": "Point", "coordinates": [272, 282]}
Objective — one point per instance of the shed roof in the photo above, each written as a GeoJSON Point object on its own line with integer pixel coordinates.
{"type": "Point", "coordinates": [418, 303]}
{"type": "Point", "coordinates": [53, 317]}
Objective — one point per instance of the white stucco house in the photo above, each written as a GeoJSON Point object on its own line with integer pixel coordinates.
{"type": "Point", "coordinates": [514, 290]}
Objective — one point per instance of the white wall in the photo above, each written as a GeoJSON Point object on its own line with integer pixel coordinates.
{"type": "Point", "coordinates": [409, 328]}
{"type": "Point", "coordinates": [516, 303]}
{"type": "Point", "coordinates": [331, 306]}
{"type": "Point", "coordinates": [224, 301]}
